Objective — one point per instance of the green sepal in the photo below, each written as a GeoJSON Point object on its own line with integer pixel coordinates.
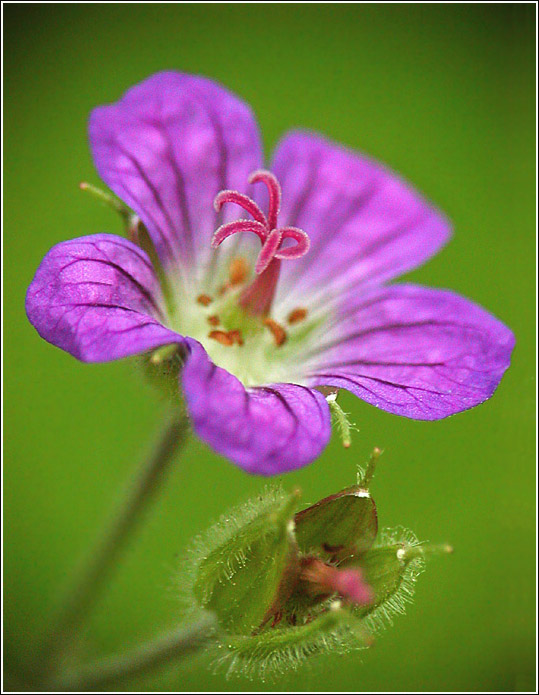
{"type": "Point", "coordinates": [161, 368]}
{"type": "Point", "coordinates": [340, 419]}
{"type": "Point", "coordinates": [384, 572]}
{"type": "Point", "coordinates": [249, 569]}
{"type": "Point", "coordinates": [390, 569]}
{"type": "Point", "coordinates": [278, 649]}
{"type": "Point", "coordinates": [243, 579]}
{"type": "Point", "coordinates": [338, 526]}
{"type": "Point", "coordinates": [109, 200]}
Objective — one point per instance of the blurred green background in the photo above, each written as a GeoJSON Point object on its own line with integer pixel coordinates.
{"type": "Point", "coordinates": [444, 94]}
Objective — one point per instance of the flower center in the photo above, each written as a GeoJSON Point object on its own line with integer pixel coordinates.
{"type": "Point", "coordinates": [235, 316]}
{"type": "Point", "coordinates": [256, 299]}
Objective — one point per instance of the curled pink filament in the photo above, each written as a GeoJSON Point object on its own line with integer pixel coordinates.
{"type": "Point", "coordinates": [265, 227]}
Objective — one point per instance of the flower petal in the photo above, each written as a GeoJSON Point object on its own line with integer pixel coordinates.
{"type": "Point", "coordinates": [97, 297]}
{"type": "Point", "coordinates": [267, 430]}
{"type": "Point", "coordinates": [413, 351]}
{"type": "Point", "coordinates": [167, 148]}
{"type": "Point", "coordinates": [365, 223]}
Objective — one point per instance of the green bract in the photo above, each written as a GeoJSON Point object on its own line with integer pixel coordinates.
{"type": "Point", "coordinates": [338, 526]}
{"type": "Point", "coordinates": [250, 571]}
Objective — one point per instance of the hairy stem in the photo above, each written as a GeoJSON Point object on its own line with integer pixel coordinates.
{"type": "Point", "coordinates": [153, 654]}
{"type": "Point", "coordinates": [90, 582]}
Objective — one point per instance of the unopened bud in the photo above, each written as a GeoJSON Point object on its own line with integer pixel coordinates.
{"type": "Point", "coordinates": [285, 584]}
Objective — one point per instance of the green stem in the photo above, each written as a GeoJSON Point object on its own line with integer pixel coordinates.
{"type": "Point", "coordinates": [91, 580]}
{"type": "Point", "coordinates": [158, 652]}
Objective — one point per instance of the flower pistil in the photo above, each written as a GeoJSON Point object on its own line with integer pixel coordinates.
{"type": "Point", "coordinates": [256, 299]}
{"type": "Point", "coordinates": [321, 579]}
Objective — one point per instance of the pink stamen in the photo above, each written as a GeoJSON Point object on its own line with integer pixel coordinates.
{"type": "Point", "coordinates": [258, 297]}
{"type": "Point", "coordinates": [322, 578]}
{"type": "Point", "coordinates": [243, 201]}
{"type": "Point", "coordinates": [263, 226]}
{"type": "Point", "coordinates": [350, 585]}
{"type": "Point", "coordinates": [268, 251]}
{"type": "Point", "coordinates": [226, 230]}
{"type": "Point", "coordinates": [299, 249]}
{"type": "Point", "coordinates": [274, 190]}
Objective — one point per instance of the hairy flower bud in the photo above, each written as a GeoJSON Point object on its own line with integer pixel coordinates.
{"type": "Point", "coordinates": [287, 584]}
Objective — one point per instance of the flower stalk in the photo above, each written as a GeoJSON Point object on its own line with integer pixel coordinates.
{"type": "Point", "coordinates": [87, 588]}
{"type": "Point", "coordinates": [155, 653]}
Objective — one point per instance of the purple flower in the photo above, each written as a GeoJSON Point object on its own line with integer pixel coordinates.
{"type": "Point", "coordinates": [294, 302]}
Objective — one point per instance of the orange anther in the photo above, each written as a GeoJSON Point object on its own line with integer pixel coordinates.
{"type": "Point", "coordinates": [204, 299]}
{"type": "Point", "coordinates": [213, 320]}
{"type": "Point", "coordinates": [238, 271]}
{"type": "Point", "coordinates": [297, 315]}
{"type": "Point", "coordinates": [221, 337]}
{"type": "Point", "coordinates": [236, 336]}
{"type": "Point", "coordinates": [278, 332]}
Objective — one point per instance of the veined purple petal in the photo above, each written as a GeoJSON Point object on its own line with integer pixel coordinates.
{"type": "Point", "coordinates": [413, 351]}
{"type": "Point", "coordinates": [365, 223]}
{"type": "Point", "coordinates": [167, 148]}
{"type": "Point", "coordinates": [267, 430]}
{"type": "Point", "coordinates": [97, 297]}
